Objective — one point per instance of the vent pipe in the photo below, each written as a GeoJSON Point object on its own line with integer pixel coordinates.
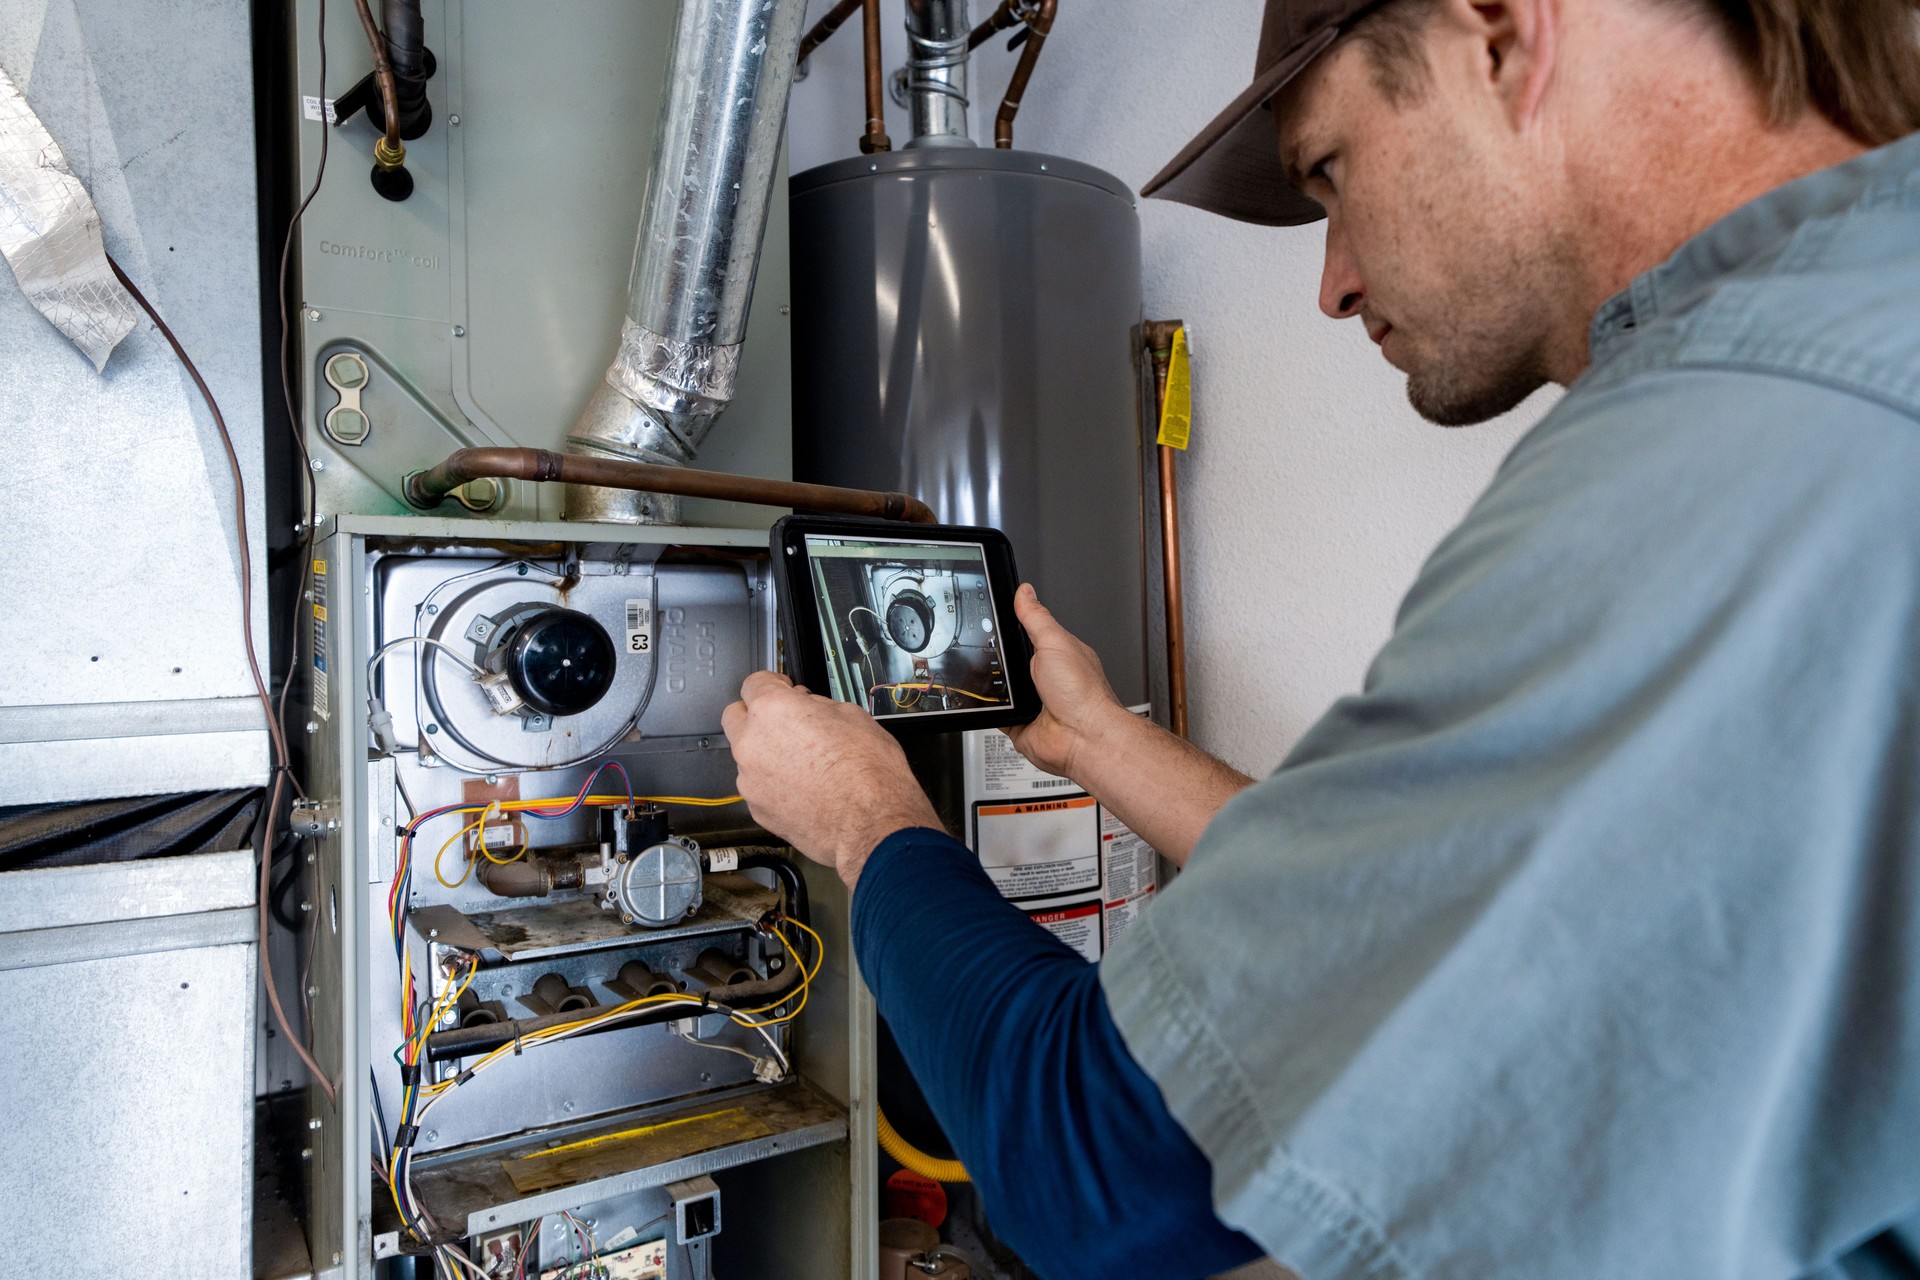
{"type": "Point", "coordinates": [936, 70]}
{"type": "Point", "coordinates": [715, 155]}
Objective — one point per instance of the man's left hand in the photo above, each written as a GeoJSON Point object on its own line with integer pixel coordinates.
{"type": "Point", "coordinates": [821, 774]}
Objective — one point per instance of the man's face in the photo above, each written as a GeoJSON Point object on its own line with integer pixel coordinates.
{"type": "Point", "coordinates": [1438, 237]}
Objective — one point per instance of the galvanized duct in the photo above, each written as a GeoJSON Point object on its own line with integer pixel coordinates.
{"type": "Point", "coordinates": [937, 32]}
{"type": "Point", "coordinates": [714, 159]}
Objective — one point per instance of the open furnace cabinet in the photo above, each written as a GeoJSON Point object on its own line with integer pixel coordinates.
{"type": "Point", "coordinates": [514, 1133]}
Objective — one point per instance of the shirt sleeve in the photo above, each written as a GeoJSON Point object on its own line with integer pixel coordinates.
{"type": "Point", "coordinates": [1081, 1167]}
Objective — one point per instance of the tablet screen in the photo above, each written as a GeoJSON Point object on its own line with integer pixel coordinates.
{"type": "Point", "coordinates": [910, 627]}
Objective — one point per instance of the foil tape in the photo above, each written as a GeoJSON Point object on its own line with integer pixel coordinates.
{"type": "Point", "coordinates": [50, 235]}
{"type": "Point", "coordinates": [666, 373]}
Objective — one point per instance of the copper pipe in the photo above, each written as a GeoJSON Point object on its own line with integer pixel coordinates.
{"type": "Point", "coordinates": [1038, 28]}
{"type": "Point", "coordinates": [823, 30]}
{"type": "Point", "coordinates": [394, 151]}
{"type": "Point", "coordinates": [876, 138]}
{"type": "Point", "coordinates": [1159, 334]}
{"type": "Point", "coordinates": [426, 489]}
{"type": "Point", "coordinates": [1001, 19]}
{"type": "Point", "coordinates": [1012, 13]}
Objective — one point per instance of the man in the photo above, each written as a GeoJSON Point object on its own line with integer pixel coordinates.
{"type": "Point", "coordinates": [1586, 940]}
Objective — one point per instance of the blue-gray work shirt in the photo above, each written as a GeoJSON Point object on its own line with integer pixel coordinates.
{"type": "Point", "coordinates": [1585, 942]}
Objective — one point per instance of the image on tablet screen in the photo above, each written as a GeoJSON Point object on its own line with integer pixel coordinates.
{"type": "Point", "coordinates": [909, 627]}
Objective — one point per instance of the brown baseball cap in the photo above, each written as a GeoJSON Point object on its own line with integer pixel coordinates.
{"type": "Point", "coordinates": [1232, 166]}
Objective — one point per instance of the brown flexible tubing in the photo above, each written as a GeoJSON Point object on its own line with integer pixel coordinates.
{"type": "Point", "coordinates": [876, 138]}
{"type": "Point", "coordinates": [282, 758]}
{"type": "Point", "coordinates": [426, 489]}
{"type": "Point", "coordinates": [1159, 335]}
{"type": "Point", "coordinates": [389, 87]}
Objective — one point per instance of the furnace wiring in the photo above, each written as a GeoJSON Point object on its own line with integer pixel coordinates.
{"type": "Point", "coordinates": [419, 1019]}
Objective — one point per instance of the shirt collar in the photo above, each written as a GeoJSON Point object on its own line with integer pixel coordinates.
{"type": "Point", "coordinates": [1750, 238]}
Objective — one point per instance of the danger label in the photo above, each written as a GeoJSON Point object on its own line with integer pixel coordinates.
{"type": "Point", "coordinates": [1077, 925]}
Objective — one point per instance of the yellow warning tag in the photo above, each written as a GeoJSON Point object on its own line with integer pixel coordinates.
{"type": "Point", "coordinates": [1176, 415]}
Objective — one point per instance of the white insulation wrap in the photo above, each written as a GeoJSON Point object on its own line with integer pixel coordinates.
{"type": "Point", "coordinates": [50, 234]}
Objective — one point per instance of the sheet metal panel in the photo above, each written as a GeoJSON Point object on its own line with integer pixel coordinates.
{"type": "Point", "coordinates": [117, 559]}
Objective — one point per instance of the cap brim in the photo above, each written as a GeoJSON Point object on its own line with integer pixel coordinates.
{"type": "Point", "coordinates": [1232, 167]}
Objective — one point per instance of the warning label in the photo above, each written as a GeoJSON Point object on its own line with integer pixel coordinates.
{"type": "Point", "coordinates": [1074, 867]}
{"type": "Point", "coordinates": [320, 696]}
{"type": "Point", "coordinates": [1040, 849]}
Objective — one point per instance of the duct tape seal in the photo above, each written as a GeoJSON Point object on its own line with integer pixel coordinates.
{"type": "Point", "coordinates": [50, 235]}
{"type": "Point", "coordinates": [666, 373]}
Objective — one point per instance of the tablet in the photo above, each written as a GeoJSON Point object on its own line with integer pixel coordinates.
{"type": "Point", "coordinates": [914, 622]}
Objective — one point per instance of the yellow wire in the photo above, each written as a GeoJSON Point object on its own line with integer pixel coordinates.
{"type": "Point", "coordinates": [945, 688]}
{"type": "Point", "coordinates": [487, 853]}
{"type": "Point", "coordinates": [451, 840]}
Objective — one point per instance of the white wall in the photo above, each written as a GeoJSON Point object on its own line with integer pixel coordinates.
{"type": "Point", "coordinates": [1312, 492]}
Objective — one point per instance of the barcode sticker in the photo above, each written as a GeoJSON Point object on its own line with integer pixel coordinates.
{"type": "Point", "coordinates": [639, 626]}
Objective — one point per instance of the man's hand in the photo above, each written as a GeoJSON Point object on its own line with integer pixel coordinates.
{"type": "Point", "coordinates": [821, 774]}
{"type": "Point", "coordinates": [1080, 708]}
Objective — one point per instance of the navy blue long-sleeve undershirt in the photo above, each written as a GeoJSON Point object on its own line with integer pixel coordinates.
{"type": "Point", "coordinates": [1081, 1167]}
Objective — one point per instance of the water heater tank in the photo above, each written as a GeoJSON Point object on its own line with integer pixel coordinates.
{"type": "Point", "coordinates": [967, 329]}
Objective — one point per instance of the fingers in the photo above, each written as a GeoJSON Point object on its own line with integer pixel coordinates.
{"type": "Point", "coordinates": [761, 683]}
{"type": "Point", "coordinates": [733, 720]}
{"type": "Point", "coordinates": [1034, 616]}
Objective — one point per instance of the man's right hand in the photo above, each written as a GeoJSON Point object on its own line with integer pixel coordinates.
{"type": "Point", "coordinates": [1165, 789]}
{"type": "Point", "coordinates": [1080, 706]}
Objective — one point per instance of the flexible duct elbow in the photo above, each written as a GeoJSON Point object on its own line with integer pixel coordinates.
{"type": "Point", "coordinates": [715, 156]}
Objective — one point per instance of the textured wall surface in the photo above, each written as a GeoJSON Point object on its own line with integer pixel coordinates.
{"type": "Point", "coordinates": [1312, 493]}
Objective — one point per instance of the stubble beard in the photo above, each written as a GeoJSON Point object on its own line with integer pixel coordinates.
{"type": "Point", "coordinates": [1459, 393]}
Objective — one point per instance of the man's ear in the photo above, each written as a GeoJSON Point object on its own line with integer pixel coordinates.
{"type": "Point", "coordinates": [1518, 43]}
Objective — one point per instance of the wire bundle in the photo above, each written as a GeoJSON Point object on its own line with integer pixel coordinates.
{"type": "Point", "coordinates": [419, 1018]}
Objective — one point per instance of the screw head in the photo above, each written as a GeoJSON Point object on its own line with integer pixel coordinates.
{"type": "Point", "coordinates": [319, 464]}
{"type": "Point", "coordinates": [312, 314]}
{"type": "Point", "coordinates": [459, 331]}
{"type": "Point", "coordinates": [453, 119]}
{"type": "Point", "coordinates": [313, 726]}
{"type": "Point", "coordinates": [567, 1107]}
{"type": "Point", "coordinates": [312, 992]}
{"type": "Point", "coordinates": [314, 1123]}
{"type": "Point", "coordinates": [433, 1135]}
{"type": "Point", "coordinates": [306, 1153]}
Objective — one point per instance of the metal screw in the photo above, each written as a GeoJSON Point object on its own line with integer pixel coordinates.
{"type": "Point", "coordinates": [705, 1076]}
{"type": "Point", "coordinates": [314, 1123]}
{"type": "Point", "coordinates": [459, 331]}
{"type": "Point", "coordinates": [312, 727]}
{"type": "Point", "coordinates": [312, 992]}
{"type": "Point", "coordinates": [433, 933]}
{"type": "Point", "coordinates": [785, 309]}
{"type": "Point", "coordinates": [705, 743]}
{"type": "Point", "coordinates": [433, 728]}
{"type": "Point", "coordinates": [453, 119]}
{"type": "Point", "coordinates": [567, 1107]}
{"type": "Point", "coordinates": [433, 1135]}
{"type": "Point", "coordinates": [319, 464]}
{"type": "Point", "coordinates": [432, 609]}
{"type": "Point", "coordinates": [493, 779]}
{"type": "Point", "coordinates": [306, 1153]}
{"type": "Point", "coordinates": [313, 315]}
{"type": "Point", "coordinates": [333, 824]}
